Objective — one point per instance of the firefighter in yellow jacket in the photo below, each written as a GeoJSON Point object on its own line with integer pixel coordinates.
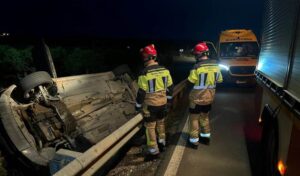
{"type": "Point", "coordinates": [155, 91]}
{"type": "Point", "coordinates": [203, 78]}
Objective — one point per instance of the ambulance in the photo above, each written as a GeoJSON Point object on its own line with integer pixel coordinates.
{"type": "Point", "coordinates": [238, 55]}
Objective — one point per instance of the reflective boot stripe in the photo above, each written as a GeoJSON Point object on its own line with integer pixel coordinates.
{"type": "Point", "coordinates": [162, 141]}
{"type": "Point", "coordinates": [153, 151]}
{"type": "Point", "coordinates": [194, 140]}
{"type": "Point", "coordinates": [207, 135]}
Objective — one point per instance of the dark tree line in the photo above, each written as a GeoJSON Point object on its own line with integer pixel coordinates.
{"type": "Point", "coordinates": [17, 62]}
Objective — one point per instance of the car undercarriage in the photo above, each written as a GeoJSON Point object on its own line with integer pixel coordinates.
{"type": "Point", "coordinates": [42, 115]}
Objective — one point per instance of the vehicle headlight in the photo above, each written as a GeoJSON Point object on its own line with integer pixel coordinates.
{"type": "Point", "coordinates": [259, 66]}
{"type": "Point", "coordinates": [224, 67]}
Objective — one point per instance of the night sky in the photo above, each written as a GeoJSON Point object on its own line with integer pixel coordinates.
{"type": "Point", "coordinates": [155, 19]}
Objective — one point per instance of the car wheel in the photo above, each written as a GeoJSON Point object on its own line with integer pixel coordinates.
{"type": "Point", "coordinates": [121, 70]}
{"type": "Point", "coordinates": [35, 79]}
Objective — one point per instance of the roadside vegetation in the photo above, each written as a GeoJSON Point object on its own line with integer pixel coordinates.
{"type": "Point", "coordinates": [14, 63]}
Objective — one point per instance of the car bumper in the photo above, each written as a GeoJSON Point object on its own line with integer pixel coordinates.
{"type": "Point", "coordinates": [238, 79]}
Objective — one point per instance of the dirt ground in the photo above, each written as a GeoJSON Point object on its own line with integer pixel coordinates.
{"type": "Point", "coordinates": [133, 163]}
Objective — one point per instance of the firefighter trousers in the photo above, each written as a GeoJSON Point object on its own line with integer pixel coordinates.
{"type": "Point", "coordinates": [151, 129]}
{"type": "Point", "coordinates": [199, 121]}
{"type": "Point", "coordinates": [154, 124]}
{"type": "Point", "coordinates": [199, 125]}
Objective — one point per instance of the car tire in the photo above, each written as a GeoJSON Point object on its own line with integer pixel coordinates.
{"type": "Point", "coordinates": [35, 79]}
{"type": "Point", "coordinates": [121, 70]}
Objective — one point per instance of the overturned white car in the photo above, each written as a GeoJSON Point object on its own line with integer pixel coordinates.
{"type": "Point", "coordinates": [43, 115]}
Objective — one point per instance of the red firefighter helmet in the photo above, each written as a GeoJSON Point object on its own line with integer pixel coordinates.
{"type": "Point", "coordinates": [201, 49]}
{"type": "Point", "coordinates": [148, 52]}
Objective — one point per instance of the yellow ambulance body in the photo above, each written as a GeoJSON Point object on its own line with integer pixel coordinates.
{"type": "Point", "coordinates": [238, 55]}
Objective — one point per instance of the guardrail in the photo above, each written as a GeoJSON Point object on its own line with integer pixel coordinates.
{"type": "Point", "coordinates": [89, 162]}
{"type": "Point", "coordinates": [178, 92]}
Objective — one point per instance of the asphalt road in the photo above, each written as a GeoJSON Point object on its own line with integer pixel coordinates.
{"type": "Point", "coordinates": [234, 148]}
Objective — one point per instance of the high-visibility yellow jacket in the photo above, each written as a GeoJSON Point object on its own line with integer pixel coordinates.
{"type": "Point", "coordinates": [203, 77]}
{"type": "Point", "coordinates": [155, 86]}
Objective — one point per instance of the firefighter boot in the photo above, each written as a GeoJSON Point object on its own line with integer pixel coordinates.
{"type": "Point", "coordinates": [194, 130]}
{"type": "Point", "coordinates": [205, 129]}
{"type": "Point", "coordinates": [160, 127]}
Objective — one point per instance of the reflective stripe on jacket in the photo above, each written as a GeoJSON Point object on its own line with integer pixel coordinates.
{"type": "Point", "coordinates": [156, 78]}
{"type": "Point", "coordinates": [204, 77]}
{"type": "Point", "coordinates": [155, 85]}
{"type": "Point", "coordinates": [205, 74]}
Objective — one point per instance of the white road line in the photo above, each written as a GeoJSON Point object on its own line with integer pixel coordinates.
{"type": "Point", "coordinates": [178, 152]}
